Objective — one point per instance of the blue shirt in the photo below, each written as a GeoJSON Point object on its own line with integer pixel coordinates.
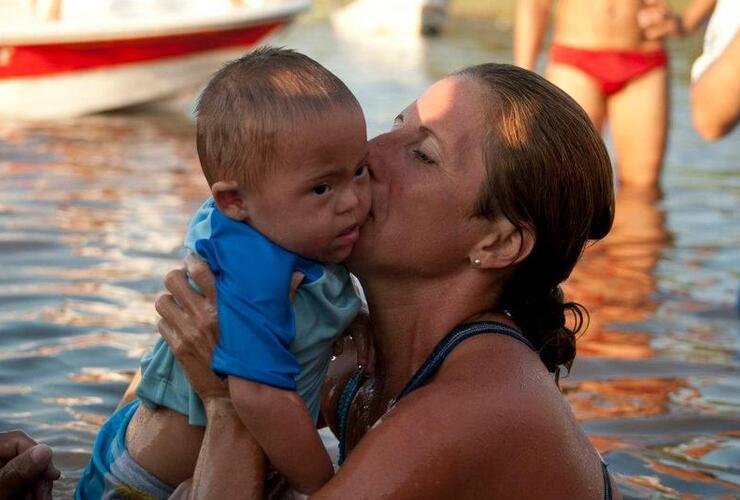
{"type": "Point", "coordinates": [263, 337]}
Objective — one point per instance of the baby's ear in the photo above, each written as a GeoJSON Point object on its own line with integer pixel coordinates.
{"type": "Point", "coordinates": [230, 199]}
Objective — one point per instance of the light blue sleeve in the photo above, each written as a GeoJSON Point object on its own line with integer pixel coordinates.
{"type": "Point", "coordinates": [256, 318]}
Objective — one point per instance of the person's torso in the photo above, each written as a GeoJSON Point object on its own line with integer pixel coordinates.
{"type": "Point", "coordinates": [600, 24]}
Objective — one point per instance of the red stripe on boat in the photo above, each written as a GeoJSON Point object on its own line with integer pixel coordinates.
{"type": "Point", "coordinates": [42, 60]}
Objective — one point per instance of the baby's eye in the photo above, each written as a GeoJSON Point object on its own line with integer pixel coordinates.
{"type": "Point", "coordinates": [423, 157]}
{"type": "Point", "coordinates": [361, 171]}
{"type": "Point", "coordinates": [321, 189]}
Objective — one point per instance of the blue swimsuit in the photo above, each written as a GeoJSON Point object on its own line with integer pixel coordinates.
{"type": "Point", "coordinates": [427, 370]}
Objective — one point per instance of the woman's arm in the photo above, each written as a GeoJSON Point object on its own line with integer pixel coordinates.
{"type": "Point", "coordinates": [230, 460]}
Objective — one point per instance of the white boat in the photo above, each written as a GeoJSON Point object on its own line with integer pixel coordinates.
{"type": "Point", "coordinates": [88, 63]}
{"type": "Point", "coordinates": [392, 17]}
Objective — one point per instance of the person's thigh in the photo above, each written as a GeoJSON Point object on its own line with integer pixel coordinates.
{"type": "Point", "coordinates": [580, 87]}
{"type": "Point", "coordinates": [638, 119]}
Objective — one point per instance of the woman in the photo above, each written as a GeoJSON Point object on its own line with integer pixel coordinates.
{"type": "Point", "coordinates": [485, 193]}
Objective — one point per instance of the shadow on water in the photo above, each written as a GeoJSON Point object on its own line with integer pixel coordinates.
{"type": "Point", "coordinates": [93, 210]}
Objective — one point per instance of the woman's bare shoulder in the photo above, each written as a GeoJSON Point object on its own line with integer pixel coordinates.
{"type": "Point", "coordinates": [460, 421]}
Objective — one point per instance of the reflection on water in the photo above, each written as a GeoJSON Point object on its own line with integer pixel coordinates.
{"type": "Point", "coordinates": [92, 213]}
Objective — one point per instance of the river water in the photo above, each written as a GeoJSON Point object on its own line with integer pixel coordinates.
{"type": "Point", "coordinates": [93, 210]}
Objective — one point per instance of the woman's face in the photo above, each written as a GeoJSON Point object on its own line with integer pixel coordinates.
{"type": "Point", "coordinates": [426, 175]}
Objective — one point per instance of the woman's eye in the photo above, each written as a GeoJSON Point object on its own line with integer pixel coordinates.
{"type": "Point", "coordinates": [321, 189]}
{"type": "Point", "coordinates": [423, 157]}
{"type": "Point", "coordinates": [361, 171]}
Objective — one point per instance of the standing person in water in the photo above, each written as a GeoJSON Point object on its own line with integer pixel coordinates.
{"type": "Point", "coordinates": [283, 145]}
{"type": "Point", "coordinates": [485, 192]}
{"type": "Point", "coordinates": [600, 57]}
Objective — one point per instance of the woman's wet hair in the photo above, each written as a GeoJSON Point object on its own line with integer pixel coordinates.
{"type": "Point", "coordinates": [548, 172]}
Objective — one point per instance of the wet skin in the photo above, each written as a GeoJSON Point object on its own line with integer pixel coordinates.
{"type": "Point", "coordinates": [491, 423]}
{"type": "Point", "coordinates": [313, 204]}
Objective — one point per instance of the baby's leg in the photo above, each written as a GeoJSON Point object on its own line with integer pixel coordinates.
{"type": "Point", "coordinates": [163, 443]}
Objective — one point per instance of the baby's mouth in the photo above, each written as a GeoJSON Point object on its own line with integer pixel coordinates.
{"type": "Point", "coordinates": [349, 230]}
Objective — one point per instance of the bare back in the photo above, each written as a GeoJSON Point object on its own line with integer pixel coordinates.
{"type": "Point", "coordinates": [600, 24]}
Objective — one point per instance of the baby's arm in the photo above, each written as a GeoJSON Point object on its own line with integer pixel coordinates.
{"type": "Point", "coordinates": [281, 424]}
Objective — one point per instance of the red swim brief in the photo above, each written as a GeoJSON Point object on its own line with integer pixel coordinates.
{"type": "Point", "coordinates": [612, 69]}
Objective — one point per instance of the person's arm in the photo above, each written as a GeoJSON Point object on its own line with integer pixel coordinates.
{"type": "Point", "coordinates": [657, 20]}
{"type": "Point", "coordinates": [715, 96]}
{"type": "Point", "coordinates": [230, 460]}
{"type": "Point", "coordinates": [529, 28]}
{"type": "Point", "coordinates": [284, 429]}
{"type": "Point", "coordinates": [26, 467]}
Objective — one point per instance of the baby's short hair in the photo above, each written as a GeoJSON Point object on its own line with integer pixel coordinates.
{"type": "Point", "coordinates": [255, 102]}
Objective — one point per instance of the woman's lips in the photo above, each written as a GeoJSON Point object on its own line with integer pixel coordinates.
{"type": "Point", "coordinates": [349, 236]}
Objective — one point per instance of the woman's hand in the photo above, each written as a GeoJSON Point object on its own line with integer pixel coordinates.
{"type": "Point", "coordinates": [189, 325]}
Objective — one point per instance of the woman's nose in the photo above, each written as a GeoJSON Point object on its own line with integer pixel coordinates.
{"type": "Point", "coordinates": [378, 150]}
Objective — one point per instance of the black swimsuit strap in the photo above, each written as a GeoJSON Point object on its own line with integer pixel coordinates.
{"type": "Point", "coordinates": [424, 373]}
{"type": "Point", "coordinates": [449, 343]}
{"type": "Point", "coordinates": [427, 370]}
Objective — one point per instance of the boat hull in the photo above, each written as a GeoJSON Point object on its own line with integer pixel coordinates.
{"type": "Point", "coordinates": [88, 91]}
{"type": "Point", "coordinates": [65, 72]}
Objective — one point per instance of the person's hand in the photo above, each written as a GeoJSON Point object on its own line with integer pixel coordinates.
{"type": "Point", "coordinates": [360, 334]}
{"type": "Point", "coordinates": [26, 468]}
{"type": "Point", "coordinates": [189, 325]}
{"type": "Point", "coordinates": [657, 20]}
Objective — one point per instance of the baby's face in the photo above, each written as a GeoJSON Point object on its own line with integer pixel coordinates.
{"type": "Point", "coordinates": [318, 195]}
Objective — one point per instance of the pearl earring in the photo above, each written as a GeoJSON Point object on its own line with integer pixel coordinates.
{"type": "Point", "coordinates": [476, 263]}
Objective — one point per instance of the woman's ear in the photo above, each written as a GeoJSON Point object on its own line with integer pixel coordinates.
{"type": "Point", "coordinates": [230, 199]}
{"type": "Point", "coordinates": [503, 247]}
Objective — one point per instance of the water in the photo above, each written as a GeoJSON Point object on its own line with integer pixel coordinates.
{"type": "Point", "coordinates": [92, 213]}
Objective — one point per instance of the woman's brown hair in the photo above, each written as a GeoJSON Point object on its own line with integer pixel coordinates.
{"type": "Point", "coordinates": [548, 172]}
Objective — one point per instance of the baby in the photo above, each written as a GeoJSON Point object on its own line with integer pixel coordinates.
{"type": "Point", "coordinates": [282, 144]}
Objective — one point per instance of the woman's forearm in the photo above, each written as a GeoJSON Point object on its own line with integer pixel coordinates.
{"type": "Point", "coordinates": [230, 460]}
